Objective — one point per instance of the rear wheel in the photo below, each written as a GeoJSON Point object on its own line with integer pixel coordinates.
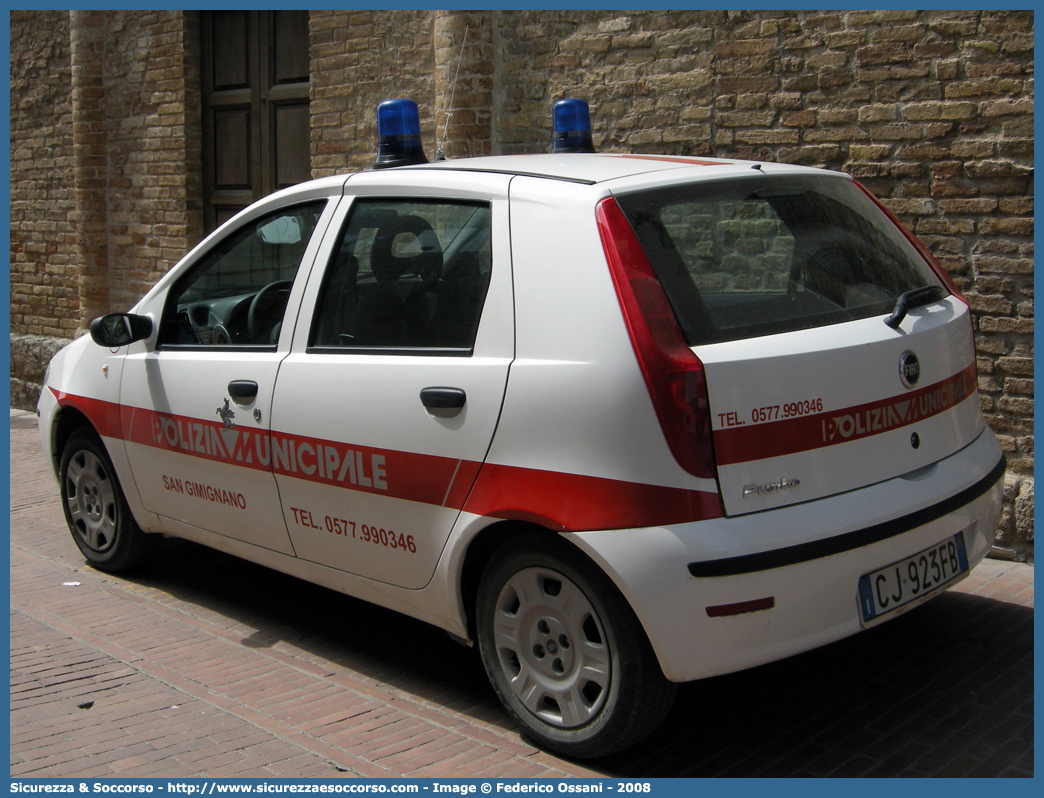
{"type": "Point", "coordinates": [97, 514]}
{"type": "Point", "coordinates": [565, 653]}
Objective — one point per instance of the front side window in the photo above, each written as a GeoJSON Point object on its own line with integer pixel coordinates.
{"type": "Point", "coordinates": [408, 276]}
{"type": "Point", "coordinates": [765, 255]}
{"type": "Point", "coordinates": [236, 295]}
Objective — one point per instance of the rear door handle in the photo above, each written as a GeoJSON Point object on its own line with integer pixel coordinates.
{"type": "Point", "coordinates": [243, 392]}
{"type": "Point", "coordinates": [443, 398]}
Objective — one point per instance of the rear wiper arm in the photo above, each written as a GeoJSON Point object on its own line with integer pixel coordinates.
{"type": "Point", "coordinates": [916, 298]}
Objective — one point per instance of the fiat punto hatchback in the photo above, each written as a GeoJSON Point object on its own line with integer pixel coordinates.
{"type": "Point", "coordinates": [623, 421]}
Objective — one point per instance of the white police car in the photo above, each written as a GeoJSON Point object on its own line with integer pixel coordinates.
{"type": "Point", "coordinates": [623, 420]}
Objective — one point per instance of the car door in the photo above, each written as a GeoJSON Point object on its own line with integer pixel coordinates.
{"type": "Point", "coordinates": [197, 407]}
{"type": "Point", "coordinates": [385, 408]}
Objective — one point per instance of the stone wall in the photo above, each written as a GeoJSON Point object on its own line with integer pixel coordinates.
{"type": "Point", "coordinates": [153, 143]}
{"type": "Point", "coordinates": [932, 110]}
{"type": "Point", "coordinates": [30, 355]}
{"type": "Point", "coordinates": [105, 161]}
{"type": "Point", "coordinates": [358, 59]}
{"type": "Point", "coordinates": [44, 285]}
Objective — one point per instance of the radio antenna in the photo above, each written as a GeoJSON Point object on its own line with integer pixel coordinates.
{"type": "Point", "coordinates": [440, 153]}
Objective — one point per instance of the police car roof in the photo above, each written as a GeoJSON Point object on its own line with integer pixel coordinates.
{"type": "Point", "coordinates": [599, 167]}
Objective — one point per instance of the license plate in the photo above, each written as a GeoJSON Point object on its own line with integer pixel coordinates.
{"type": "Point", "coordinates": [901, 583]}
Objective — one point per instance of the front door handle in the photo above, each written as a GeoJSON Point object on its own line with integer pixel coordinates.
{"type": "Point", "coordinates": [243, 392]}
{"type": "Point", "coordinates": [443, 398]}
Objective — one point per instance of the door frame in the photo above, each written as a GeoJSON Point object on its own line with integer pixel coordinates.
{"type": "Point", "coordinates": [261, 97]}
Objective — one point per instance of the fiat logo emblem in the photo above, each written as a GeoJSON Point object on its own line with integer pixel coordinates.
{"type": "Point", "coordinates": [909, 368]}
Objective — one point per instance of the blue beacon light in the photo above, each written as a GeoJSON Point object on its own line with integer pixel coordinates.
{"type": "Point", "coordinates": [398, 134]}
{"type": "Point", "coordinates": [572, 126]}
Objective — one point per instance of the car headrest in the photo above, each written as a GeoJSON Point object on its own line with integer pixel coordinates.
{"type": "Point", "coordinates": [406, 245]}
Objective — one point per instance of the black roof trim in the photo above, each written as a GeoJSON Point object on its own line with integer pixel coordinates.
{"type": "Point", "coordinates": [510, 172]}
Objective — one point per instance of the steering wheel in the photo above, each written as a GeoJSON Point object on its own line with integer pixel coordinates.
{"type": "Point", "coordinates": [266, 310]}
{"type": "Point", "coordinates": [221, 336]}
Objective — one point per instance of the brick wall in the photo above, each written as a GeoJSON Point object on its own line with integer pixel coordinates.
{"type": "Point", "coordinates": [153, 134]}
{"type": "Point", "coordinates": [358, 59]}
{"type": "Point", "coordinates": [105, 161]}
{"type": "Point", "coordinates": [932, 110]}
{"type": "Point", "coordinates": [44, 289]}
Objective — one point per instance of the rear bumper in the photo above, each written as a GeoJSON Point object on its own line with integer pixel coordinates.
{"type": "Point", "coordinates": [722, 595]}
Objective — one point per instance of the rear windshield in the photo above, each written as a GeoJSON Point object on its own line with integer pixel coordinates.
{"type": "Point", "coordinates": [763, 255]}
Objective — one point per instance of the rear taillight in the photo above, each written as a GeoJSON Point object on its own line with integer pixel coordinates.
{"type": "Point", "coordinates": [673, 374]}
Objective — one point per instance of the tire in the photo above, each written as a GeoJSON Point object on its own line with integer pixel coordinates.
{"type": "Point", "coordinates": [564, 651]}
{"type": "Point", "coordinates": [95, 509]}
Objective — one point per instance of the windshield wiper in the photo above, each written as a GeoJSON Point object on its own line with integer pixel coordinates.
{"type": "Point", "coordinates": [916, 298]}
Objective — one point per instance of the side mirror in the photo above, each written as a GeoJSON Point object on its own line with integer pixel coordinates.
{"type": "Point", "coordinates": [119, 329]}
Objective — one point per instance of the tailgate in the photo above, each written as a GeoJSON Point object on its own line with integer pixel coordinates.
{"type": "Point", "coordinates": [811, 413]}
{"type": "Point", "coordinates": [835, 354]}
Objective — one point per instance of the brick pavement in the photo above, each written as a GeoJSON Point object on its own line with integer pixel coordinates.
{"type": "Point", "coordinates": [204, 665]}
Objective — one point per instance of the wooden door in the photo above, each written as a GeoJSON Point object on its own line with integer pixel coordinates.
{"type": "Point", "coordinates": [255, 71]}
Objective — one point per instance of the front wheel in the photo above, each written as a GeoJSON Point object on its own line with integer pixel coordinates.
{"type": "Point", "coordinates": [97, 513]}
{"type": "Point", "coordinates": [565, 653]}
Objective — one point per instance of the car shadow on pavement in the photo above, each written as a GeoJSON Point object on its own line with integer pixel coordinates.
{"type": "Point", "coordinates": [383, 646]}
{"type": "Point", "coordinates": [946, 690]}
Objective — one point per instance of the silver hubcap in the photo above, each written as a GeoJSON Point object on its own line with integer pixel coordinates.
{"type": "Point", "coordinates": [91, 499]}
{"type": "Point", "coordinates": [552, 647]}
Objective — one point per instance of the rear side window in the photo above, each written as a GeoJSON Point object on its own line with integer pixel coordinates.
{"type": "Point", "coordinates": [408, 277]}
{"type": "Point", "coordinates": [763, 255]}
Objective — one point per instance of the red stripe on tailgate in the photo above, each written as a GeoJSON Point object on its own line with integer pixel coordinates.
{"type": "Point", "coordinates": [805, 433]}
